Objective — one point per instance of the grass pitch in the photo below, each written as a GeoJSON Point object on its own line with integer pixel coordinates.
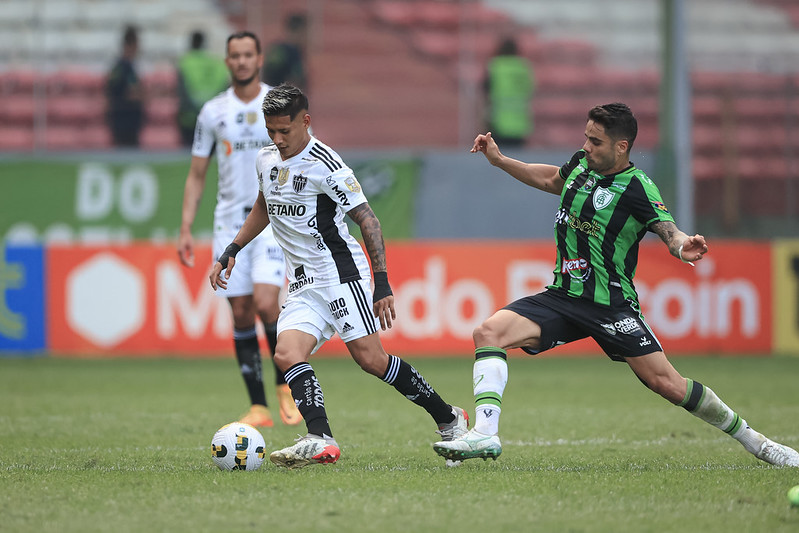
{"type": "Point", "coordinates": [124, 445]}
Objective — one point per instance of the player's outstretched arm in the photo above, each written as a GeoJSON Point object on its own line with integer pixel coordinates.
{"type": "Point", "coordinates": [192, 194]}
{"type": "Point", "coordinates": [540, 176]}
{"type": "Point", "coordinates": [376, 248]}
{"type": "Point", "coordinates": [254, 224]}
{"type": "Point", "coordinates": [684, 247]}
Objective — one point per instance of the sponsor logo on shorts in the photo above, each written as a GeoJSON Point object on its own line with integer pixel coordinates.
{"type": "Point", "coordinates": [609, 329]}
{"type": "Point", "coordinates": [644, 342]}
{"type": "Point", "coordinates": [338, 308]}
{"type": "Point", "coordinates": [628, 326]}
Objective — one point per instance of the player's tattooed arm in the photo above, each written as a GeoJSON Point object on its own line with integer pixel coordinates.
{"type": "Point", "coordinates": [372, 235]}
{"type": "Point", "coordinates": [680, 245]}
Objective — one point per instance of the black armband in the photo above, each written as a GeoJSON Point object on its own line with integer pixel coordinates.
{"type": "Point", "coordinates": [382, 288]}
{"type": "Point", "coordinates": [231, 251]}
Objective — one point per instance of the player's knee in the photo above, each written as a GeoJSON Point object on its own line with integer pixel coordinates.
{"type": "Point", "coordinates": [285, 360]}
{"type": "Point", "coordinates": [485, 335]}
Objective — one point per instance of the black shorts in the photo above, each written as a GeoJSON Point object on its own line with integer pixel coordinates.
{"type": "Point", "coordinates": [620, 331]}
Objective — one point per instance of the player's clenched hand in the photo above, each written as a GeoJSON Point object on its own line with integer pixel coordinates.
{"type": "Point", "coordinates": [693, 248]}
{"type": "Point", "coordinates": [384, 311]}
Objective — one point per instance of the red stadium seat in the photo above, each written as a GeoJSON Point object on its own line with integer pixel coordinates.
{"type": "Point", "coordinates": [396, 12]}
{"type": "Point", "coordinates": [75, 110]}
{"type": "Point", "coordinates": [16, 139]}
{"type": "Point", "coordinates": [437, 44]}
{"type": "Point", "coordinates": [163, 137]}
{"type": "Point", "coordinates": [18, 109]}
{"type": "Point", "coordinates": [162, 110]}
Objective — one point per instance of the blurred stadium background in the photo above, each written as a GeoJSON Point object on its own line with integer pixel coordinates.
{"type": "Point", "coordinates": [395, 86]}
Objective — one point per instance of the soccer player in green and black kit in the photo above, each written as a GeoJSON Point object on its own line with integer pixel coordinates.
{"type": "Point", "coordinates": [606, 207]}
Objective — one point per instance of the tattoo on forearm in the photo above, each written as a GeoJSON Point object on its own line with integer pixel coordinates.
{"type": "Point", "coordinates": [372, 235]}
{"type": "Point", "coordinates": [667, 231]}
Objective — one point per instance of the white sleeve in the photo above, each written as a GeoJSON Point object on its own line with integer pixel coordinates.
{"type": "Point", "coordinates": [344, 189]}
{"type": "Point", "coordinates": [259, 171]}
{"type": "Point", "coordinates": [204, 135]}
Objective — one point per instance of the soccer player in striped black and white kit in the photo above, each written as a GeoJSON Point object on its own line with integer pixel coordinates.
{"type": "Point", "coordinates": [306, 189]}
{"type": "Point", "coordinates": [606, 207]}
{"type": "Point", "coordinates": [233, 123]}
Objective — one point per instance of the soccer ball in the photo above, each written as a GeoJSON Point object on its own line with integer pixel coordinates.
{"type": "Point", "coordinates": [238, 446]}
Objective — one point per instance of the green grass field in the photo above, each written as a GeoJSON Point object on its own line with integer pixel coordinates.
{"type": "Point", "coordinates": [124, 445]}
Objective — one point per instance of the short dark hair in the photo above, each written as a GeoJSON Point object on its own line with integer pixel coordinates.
{"type": "Point", "coordinates": [284, 100]}
{"type": "Point", "coordinates": [618, 121]}
{"type": "Point", "coordinates": [130, 36]}
{"type": "Point", "coordinates": [244, 35]}
{"type": "Point", "coordinates": [197, 40]}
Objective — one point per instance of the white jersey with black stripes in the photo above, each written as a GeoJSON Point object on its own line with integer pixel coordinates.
{"type": "Point", "coordinates": [307, 197]}
{"type": "Point", "coordinates": [236, 131]}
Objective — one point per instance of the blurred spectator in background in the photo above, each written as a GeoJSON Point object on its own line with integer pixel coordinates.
{"type": "Point", "coordinates": [285, 61]}
{"type": "Point", "coordinates": [509, 87]}
{"type": "Point", "coordinates": [125, 94]}
{"type": "Point", "coordinates": [201, 76]}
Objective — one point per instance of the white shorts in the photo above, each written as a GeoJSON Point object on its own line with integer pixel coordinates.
{"type": "Point", "coordinates": [261, 261]}
{"type": "Point", "coordinates": [345, 309]}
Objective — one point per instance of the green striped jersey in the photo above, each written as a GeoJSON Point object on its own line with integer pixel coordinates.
{"type": "Point", "coordinates": [598, 226]}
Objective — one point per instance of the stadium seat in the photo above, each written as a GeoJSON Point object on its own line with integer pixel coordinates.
{"type": "Point", "coordinates": [63, 138]}
{"type": "Point", "coordinates": [437, 44]}
{"type": "Point", "coordinates": [96, 137]}
{"type": "Point", "coordinates": [394, 12]}
{"type": "Point", "coordinates": [446, 15]}
{"type": "Point", "coordinates": [707, 168]}
{"type": "Point", "coordinates": [75, 109]}
{"type": "Point", "coordinates": [160, 82]}
{"type": "Point", "coordinates": [162, 110]}
{"type": "Point", "coordinates": [75, 80]}
{"type": "Point", "coordinates": [160, 137]}
{"type": "Point", "coordinates": [16, 139]}
{"type": "Point", "coordinates": [18, 109]}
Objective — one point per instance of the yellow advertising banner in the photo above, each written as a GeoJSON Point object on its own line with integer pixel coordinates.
{"type": "Point", "coordinates": [785, 276]}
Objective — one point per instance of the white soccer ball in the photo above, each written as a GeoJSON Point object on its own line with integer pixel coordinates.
{"type": "Point", "coordinates": [238, 446]}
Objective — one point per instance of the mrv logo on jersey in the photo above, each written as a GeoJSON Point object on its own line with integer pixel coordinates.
{"type": "Point", "coordinates": [285, 210]}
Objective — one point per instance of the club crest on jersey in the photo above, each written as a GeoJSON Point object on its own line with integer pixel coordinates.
{"type": "Point", "coordinates": [352, 184]}
{"type": "Point", "coordinates": [282, 176]}
{"type": "Point", "coordinates": [298, 182]}
{"type": "Point", "coordinates": [602, 198]}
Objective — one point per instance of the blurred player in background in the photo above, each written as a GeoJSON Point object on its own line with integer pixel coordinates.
{"type": "Point", "coordinates": [306, 189]}
{"type": "Point", "coordinates": [234, 124]}
{"type": "Point", "coordinates": [285, 60]}
{"type": "Point", "coordinates": [201, 76]}
{"type": "Point", "coordinates": [125, 94]}
{"type": "Point", "coordinates": [607, 205]}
